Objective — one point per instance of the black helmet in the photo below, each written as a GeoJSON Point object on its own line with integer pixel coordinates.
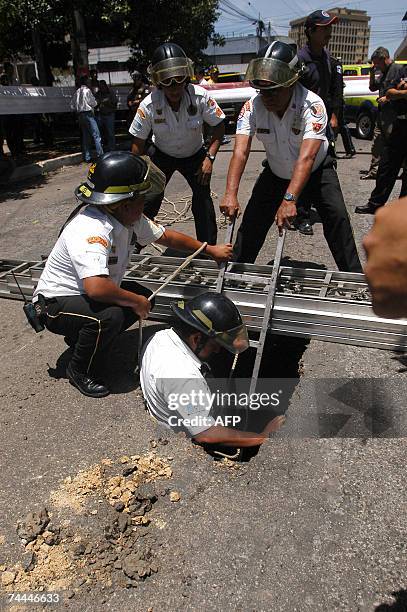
{"type": "Point", "coordinates": [119, 175]}
{"type": "Point", "coordinates": [169, 60]}
{"type": "Point", "coordinates": [276, 63]}
{"type": "Point", "coordinates": [216, 317]}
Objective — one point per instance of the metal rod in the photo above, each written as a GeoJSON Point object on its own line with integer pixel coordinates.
{"type": "Point", "coordinates": [268, 310]}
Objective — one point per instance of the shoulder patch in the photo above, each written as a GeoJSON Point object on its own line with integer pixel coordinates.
{"type": "Point", "coordinates": [98, 240]}
{"type": "Point", "coordinates": [211, 102]}
{"type": "Point", "coordinates": [218, 112]}
{"type": "Point", "coordinates": [317, 110]}
{"type": "Point", "coordinates": [141, 113]}
{"type": "Point", "coordinates": [246, 107]}
{"type": "Point", "coordinates": [316, 127]}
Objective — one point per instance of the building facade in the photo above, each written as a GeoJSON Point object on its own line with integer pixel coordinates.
{"type": "Point", "coordinates": [350, 36]}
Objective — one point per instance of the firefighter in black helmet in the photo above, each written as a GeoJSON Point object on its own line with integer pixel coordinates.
{"type": "Point", "coordinates": [290, 121]}
{"type": "Point", "coordinates": [81, 291]}
{"type": "Point", "coordinates": [175, 389]}
{"type": "Point", "coordinates": [175, 112]}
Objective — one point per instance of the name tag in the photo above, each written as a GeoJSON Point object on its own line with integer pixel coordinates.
{"type": "Point", "coordinates": [160, 120]}
{"type": "Point", "coordinates": [263, 131]}
{"type": "Point", "coordinates": [113, 260]}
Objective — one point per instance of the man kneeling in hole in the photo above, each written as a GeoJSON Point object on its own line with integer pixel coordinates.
{"type": "Point", "coordinates": [173, 368]}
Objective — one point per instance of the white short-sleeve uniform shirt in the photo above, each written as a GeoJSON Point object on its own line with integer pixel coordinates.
{"type": "Point", "coordinates": [304, 118]}
{"type": "Point", "coordinates": [176, 134]}
{"type": "Point", "coordinates": [171, 380]}
{"type": "Point", "coordinates": [94, 243]}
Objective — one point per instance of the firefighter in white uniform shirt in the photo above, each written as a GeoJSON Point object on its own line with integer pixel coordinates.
{"type": "Point", "coordinates": [81, 293]}
{"type": "Point", "coordinates": [175, 112]}
{"type": "Point", "coordinates": [290, 121]}
{"type": "Point", "coordinates": [175, 389]}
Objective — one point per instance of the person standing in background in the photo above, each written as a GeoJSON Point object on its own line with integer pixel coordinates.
{"type": "Point", "coordinates": [137, 93]}
{"type": "Point", "coordinates": [107, 104]}
{"type": "Point", "coordinates": [83, 102]}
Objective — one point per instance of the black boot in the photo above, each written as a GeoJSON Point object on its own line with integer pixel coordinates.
{"type": "Point", "coordinates": [86, 385]}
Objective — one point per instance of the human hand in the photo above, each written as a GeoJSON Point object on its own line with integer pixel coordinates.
{"type": "Point", "coordinates": [141, 306]}
{"type": "Point", "coordinates": [204, 173]}
{"type": "Point", "coordinates": [220, 252]}
{"type": "Point", "coordinates": [230, 206]}
{"type": "Point", "coordinates": [285, 215]}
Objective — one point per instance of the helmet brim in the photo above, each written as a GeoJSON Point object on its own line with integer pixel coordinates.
{"type": "Point", "coordinates": [88, 196]}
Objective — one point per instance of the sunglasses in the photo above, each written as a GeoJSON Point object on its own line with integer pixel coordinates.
{"type": "Point", "coordinates": [173, 81]}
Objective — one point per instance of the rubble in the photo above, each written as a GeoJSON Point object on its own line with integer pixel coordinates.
{"type": "Point", "coordinates": [63, 558]}
{"type": "Point", "coordinates": [33, 525]}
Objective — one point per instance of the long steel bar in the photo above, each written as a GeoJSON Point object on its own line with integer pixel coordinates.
{"type": "Point", "coordinates": [268, 310]}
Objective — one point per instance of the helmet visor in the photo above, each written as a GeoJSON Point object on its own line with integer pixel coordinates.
{"type": "Point", "coordinates": [234, 340]}
{"type": "Point", "coordinates": [278, 73]}
{"type": "Point", "coordinates": [171, 68]}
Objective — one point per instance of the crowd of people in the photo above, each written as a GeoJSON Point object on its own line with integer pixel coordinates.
{"type": "Point", "coordinates": [295, 112]}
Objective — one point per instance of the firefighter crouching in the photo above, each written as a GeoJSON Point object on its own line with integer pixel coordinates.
{"type": "Point", "coordinates": [81, 292]}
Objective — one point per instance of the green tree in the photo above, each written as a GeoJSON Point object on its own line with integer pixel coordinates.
{"type": "Point", "coordinates": [189, 23]}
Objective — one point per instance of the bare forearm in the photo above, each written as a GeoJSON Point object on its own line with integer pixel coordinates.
{"type": "Point", "coordinates": [236, 169]}
{"type": "Point", "coordinates": [137, 146]}
{"type": "Point", "coordinates": [302, 172]}
{"type": "Point", "coordinates": [230, 437]}
{"type": "Point", "coordinates": [103, 289]}
{"type": "Point", "coordinates": [393, 94]}
{"type": "Point", "coordinates": [217, 135]}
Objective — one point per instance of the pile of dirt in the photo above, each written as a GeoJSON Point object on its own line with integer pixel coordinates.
{"type": "Point", "coordinates": [110, 537]}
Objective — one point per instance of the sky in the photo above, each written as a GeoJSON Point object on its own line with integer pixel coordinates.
{"type": "Point", "coordinates": [387, 29]}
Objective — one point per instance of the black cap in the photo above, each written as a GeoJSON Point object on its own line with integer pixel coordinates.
{"type": "Point", "coordinates": [320, 18]}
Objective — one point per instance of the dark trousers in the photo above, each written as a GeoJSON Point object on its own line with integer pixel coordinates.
{"type": "Point", "coordinates": [344, 131]}
{"type": "Point", "coordinates": [391, 160]}
{"type": "Point", "coordinates": [202, 204]}
{"type": "Point", "coordinates": [90, 326]}
{"type": "Point", "coordinates": [323, 190]}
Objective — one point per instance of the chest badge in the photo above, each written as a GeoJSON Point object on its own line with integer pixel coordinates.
{"type": "Point", "coordinates": [159, 111]}
{"type": "Point", "coordinates": [295, 131]}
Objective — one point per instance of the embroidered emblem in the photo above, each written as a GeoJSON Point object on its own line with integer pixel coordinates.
{"type": "Point", "coordinates": [141, 113]}
{"type": "Point", "coordinates": [317, 110]}
{"type": "Point", "coordinates": [98, 240]}
{"type": "Point", "coordinates": [159, 111]}
{"type": "Point", "coordinates": [219, 112]}
{"type": "Point", "coordinates": [316, 126]}
{"type": "Point", "coordinates": [246, 107]}
{"type": "Point", "coordinates": [211, 102]}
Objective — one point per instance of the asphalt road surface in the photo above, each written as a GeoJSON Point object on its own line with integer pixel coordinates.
{"type": "Point", "coordinates": [315, 521]}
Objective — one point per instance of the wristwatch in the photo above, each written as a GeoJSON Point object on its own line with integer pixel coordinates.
{"type": "Point", "coordinates": [289, 197]}
{"type": "Point", "coordinates": [211, 157]}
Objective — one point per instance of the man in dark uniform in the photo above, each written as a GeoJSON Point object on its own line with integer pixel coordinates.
{"type": "Point", "coordinates": [382, 72]}
{"type": "Point", "coordinates": [394, 105]}
{"type": "Point", "coordinates": [324, 77]}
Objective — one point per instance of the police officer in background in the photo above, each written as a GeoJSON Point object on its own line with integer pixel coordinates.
{"type": "Point", "coordinates": [323, 76]}
{"type": "Point", "coordinates": [175, 113]}
{"type": "Point", "coordinates": [291, 123]}
{"type": "Point", "coordinates": [393, 105]}
{"type": "Point", "coordinates": [81, 293]}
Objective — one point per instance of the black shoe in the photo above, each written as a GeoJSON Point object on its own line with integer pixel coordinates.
{"type": "Point", "coordinates": [305, 227]}
{"type": "Point", "coordinates": [226, 140]}
{"type": "Point", "coordinates": [370, 176]}
{"type": "Point", "coordinates": [86, 385]}
{"type": "Point", "coordinates": [369, 209]}
{"type": "Point", "coordinates": [363, 171]}
{"type": "Point", "coordinates": [69, 341]}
